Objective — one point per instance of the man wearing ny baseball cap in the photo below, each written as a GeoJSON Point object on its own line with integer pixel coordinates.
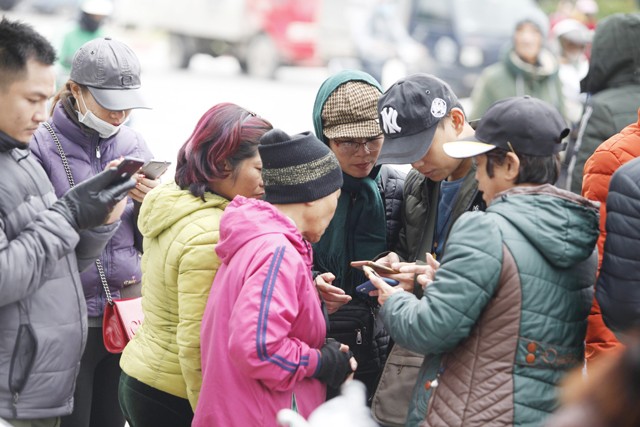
{"type": "Point", "coordinates": [417, 115]}
{"type": "Point", "coordinates": [504, 315]}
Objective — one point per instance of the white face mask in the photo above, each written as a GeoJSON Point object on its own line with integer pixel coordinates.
{"type": "Point", "coordinates": [104, 129]}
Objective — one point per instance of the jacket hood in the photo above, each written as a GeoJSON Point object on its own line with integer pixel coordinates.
{"type": "Point", "coordinates": [615, 54]}
{"type": "Point", "coordinates": [168, 203]}
{"type": "Point", "coordinates": [246, 219]}
{"type": "Point", "coordinates": [561, 225]}
{"type": "Point", "coordinates": [328, 87]}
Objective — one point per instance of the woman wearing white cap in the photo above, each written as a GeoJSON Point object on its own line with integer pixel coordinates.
{"type": "Point", "coordinates": [86, 131]}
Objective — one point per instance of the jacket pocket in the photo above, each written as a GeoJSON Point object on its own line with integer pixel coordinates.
{"type": "Point", "coordinates": [23, 358]}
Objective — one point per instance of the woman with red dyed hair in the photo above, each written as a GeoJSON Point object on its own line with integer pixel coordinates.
{"type": "Point", "coordinates": [161, 374]}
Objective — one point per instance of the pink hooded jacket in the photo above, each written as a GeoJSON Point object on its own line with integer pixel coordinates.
{"type": "Point", "coordinates": [263, 325]}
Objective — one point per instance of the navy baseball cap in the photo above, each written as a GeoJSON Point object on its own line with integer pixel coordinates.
{"type": "Point", "coordinates": [409, 113]}
{"type": "Point", "coordinates": [521, 124]}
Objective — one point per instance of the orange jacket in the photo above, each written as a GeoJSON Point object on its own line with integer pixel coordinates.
{"type": "Point", "coordinates": [609, 156]}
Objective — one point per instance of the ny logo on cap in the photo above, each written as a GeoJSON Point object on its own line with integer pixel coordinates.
{"type": "Point", "coordinates": [390, 120]}
{"type": "Point", "coordinates": [438, 108]}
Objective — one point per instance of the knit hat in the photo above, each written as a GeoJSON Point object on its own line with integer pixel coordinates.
{"type": "Point", "coordinates": [298, 168]}
{"type": "Point", "coordinates": [351, 111]}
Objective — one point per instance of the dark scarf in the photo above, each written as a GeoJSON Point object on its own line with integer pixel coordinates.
{"type": "Point", "coordinates": [356, 232]}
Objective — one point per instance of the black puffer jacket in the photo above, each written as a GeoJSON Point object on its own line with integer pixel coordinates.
{"type": "Point", "coordinates": [391, 185]}
{"type": "Point", "coordinates": [618, 288]}
{"type": "Point", "coordinates": [613, 86]}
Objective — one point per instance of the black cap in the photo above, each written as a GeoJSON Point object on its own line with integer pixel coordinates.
{"type": "Point", "coordinates": [521, 124]}
{"type": "Point", "coordinates": [409, 113]}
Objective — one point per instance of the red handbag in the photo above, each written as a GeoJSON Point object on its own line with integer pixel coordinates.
{"type": "Point", "coordinates": [122, 318]}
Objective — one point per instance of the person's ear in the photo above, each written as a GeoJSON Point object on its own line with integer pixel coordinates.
{"type": "Point", "coordinates": [75, 89]}
{"type": "Point", "coordinates": [457, 119]}
{"type": "Point", "coordinates": [512, 169]}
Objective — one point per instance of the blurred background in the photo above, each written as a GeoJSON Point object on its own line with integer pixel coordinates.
{"type": "Point", "coordinates": [270, 56]}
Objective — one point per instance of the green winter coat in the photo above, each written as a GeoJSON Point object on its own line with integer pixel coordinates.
{"type": "Point", "coordinates": [514, 77]}
{"type": "Point", "coordinates": [178, 266]}
{"type": "Point", "coordinates": [506, 315]}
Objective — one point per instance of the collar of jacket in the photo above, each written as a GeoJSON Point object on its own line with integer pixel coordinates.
{"type": "Point", "coordinates": [8, 143]}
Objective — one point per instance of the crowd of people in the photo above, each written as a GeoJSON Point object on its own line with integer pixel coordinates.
{"type": "Point", "coordinates": [505, 262]}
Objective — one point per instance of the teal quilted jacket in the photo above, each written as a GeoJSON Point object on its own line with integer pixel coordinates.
{"type": "Point", "coordinates": [505, 317]}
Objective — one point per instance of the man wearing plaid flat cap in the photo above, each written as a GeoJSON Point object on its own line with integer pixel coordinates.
{"type": "Point", "coordinates": [367, 218]}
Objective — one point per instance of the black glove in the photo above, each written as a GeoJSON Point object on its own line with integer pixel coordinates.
{"type": "Point", "coordinates": [334, 364]}
{"type": "Point", "coordinates": [89, 203]}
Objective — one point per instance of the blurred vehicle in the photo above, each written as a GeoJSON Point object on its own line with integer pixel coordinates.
{"type": "Point", "coordinates": [261, 34]}
{"type": "Point", "coordinates": [371, 35]}
{"type": "Point", "coordinates": [465, 36]}
{"type": "Point", "coordinates": [7, 4]}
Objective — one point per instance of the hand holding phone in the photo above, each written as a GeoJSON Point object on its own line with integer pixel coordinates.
{"type": "Point", "coordinates": [126, 168]}
{"type": "Point", "coordinates": [380, 268]}
{"type": "Point", "coordinates": [153, 169]}
{"type": "Point", "coordinates": [367, 286]}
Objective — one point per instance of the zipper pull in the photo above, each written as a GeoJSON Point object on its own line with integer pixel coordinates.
{"type": "Point", "coordinates": [98, 155]}
{"type": "Point", "coordinates": [358, 336]}
{"type": "Point", "coordinates": [15, 398]}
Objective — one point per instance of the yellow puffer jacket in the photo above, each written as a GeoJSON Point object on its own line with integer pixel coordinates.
{"type": "Point", "coordinates": [178, 266]}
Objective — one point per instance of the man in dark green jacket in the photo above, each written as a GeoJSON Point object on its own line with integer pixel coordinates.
{"type": "Point", "coordinates": [504, 316]}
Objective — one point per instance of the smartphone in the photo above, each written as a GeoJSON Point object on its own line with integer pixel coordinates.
{"type": "Point", "coordinates": [367, 286]}
{"type": "Point", "coordinates": [127, 167]}
{"type": "Point", "coordinates": [380, 268]}
{"type": "Point", "coordinates": [153, 169]}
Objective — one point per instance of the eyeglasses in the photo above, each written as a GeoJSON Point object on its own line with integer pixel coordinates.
{"type": "Point", "coordinates": [352, 146]}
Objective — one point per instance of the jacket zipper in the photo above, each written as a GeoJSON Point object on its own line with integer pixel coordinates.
{"type": "Point", "coordinates": [16, 396]}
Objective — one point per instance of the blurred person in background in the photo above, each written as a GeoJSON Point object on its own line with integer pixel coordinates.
{"type": "Point", "coordinates": [381, 39]}
{"type": "Point", "coordinates": [586, 11]}
{"type": "Point", "coordinates": [180, 222]}
{"type": "Point", "coordinates": [88, 116]}
{"type": "Point", "coordinates": [367, 219]}
{"type": "Point", "coordinates": [612, 85]}
{"type": "Point", "coordinates": [564, 10]}
{"type": "Point", "coordinates": [527, 68]}
{"type": "Point", "coordinates": [44, 243]}
{"type": "Point", "coordinates": [572, 40]}
{"type": "Point", "coordinates": [93, 15]}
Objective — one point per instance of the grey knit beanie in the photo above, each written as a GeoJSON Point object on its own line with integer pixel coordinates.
{"type": "Point", "coordinates": [298, 168]}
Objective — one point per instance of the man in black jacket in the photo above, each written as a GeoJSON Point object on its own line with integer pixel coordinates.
{"type": "Point", "coordinates": [44, 241]}
{"type": "Point", "coordinates": [618, 287]}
